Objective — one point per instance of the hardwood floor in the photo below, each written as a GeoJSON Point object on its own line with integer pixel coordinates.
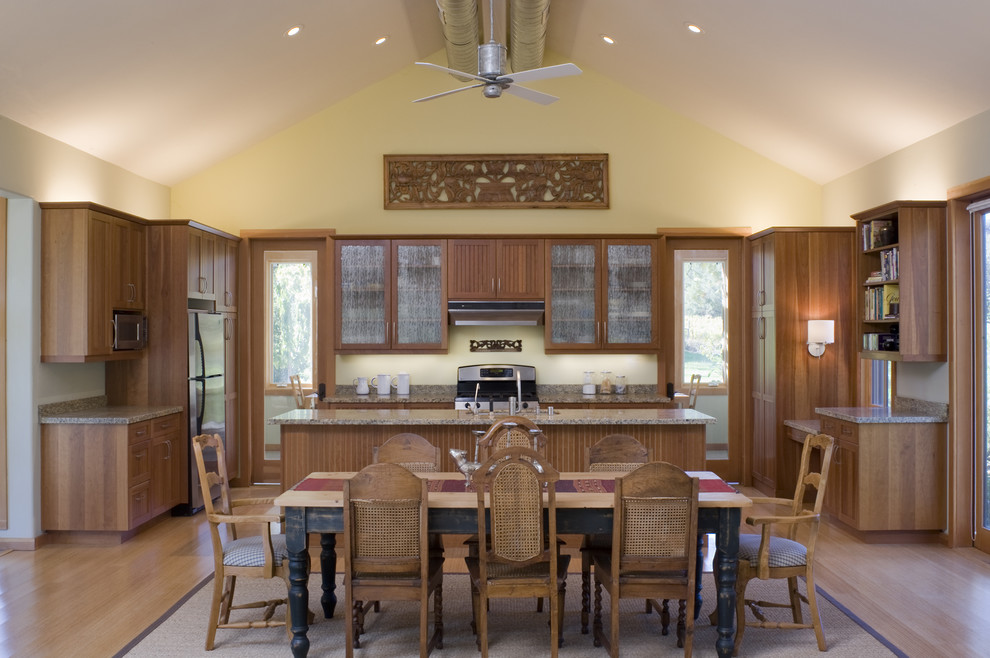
{"type": "Point", "coordinates": [88, 600]}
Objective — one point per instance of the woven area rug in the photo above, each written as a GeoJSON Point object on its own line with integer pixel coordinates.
{"type": "Point", "coordinates": [515, 629]}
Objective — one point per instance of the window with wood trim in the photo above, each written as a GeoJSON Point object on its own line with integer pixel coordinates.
{"type": "Point", "coordinates": [290, 316]}
{"type": "Point", "coordinates": [701, 306]}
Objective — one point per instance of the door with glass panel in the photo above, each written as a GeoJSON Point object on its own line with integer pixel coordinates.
{"type": "Point", "coordinates": [981, 384]}
{"type": "Point", "coordinates": [572, 314]}
{"type": "Point", "coordinates": [364, 282]}
{"type": "Point", "coordinates": [630, 320]}
{"type": "Point", "coordinates": [419, 300]}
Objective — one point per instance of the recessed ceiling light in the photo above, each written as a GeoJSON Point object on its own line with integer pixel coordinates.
{"type": "Point", "coordinates": [607, 39]}
{"type": "Point", "coordinates": [293, 31]}
{"type": "Point", "coordinates": [380, 40]}
{"type": "Point", "coordinates": [694, 28]}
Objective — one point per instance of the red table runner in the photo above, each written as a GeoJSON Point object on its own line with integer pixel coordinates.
{"type": "Point", "coordinates": [563, 486]}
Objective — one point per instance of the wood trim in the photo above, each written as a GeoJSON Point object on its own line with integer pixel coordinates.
{"type": "Point", "coordinates": [4, 516]}
{"type": "Point", "coordinates": [962, 354]}
{"type": "Point", "coordinates": [287, 234]}
{"type": "Point", "coordinates": [706, 232]}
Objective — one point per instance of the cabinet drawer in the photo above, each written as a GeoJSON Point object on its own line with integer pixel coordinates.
{"type": "Point", "coordinates": [840, 429]}
{"type": "Point", "coordinates": [139, 463]}
{"type": "Point", "coordinates": [164, 425]}
{"type": "Point", "coordinates": [138, 432]}
{"type": "Point", "coordinates": [139, 503]}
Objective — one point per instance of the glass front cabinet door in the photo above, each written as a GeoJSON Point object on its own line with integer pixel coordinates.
{"type": "Point", "coordinates": [602, 295]}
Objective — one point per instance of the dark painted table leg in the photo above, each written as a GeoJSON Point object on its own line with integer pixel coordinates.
{"type": "Point", "coordinates": [328, 569]}
{"type": "Point", "coordinates": [295, 539]}
{"type": "Point", "coordinates": [698, 568]}
{"type": "Point", "coordinates": [726, 559]}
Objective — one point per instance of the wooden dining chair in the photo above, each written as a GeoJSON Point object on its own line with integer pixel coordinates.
{"type": "Point", "coordinates": [261, 555]}
{"type": "Point", "coordinates": [519, 557]}
{"type": "Point", "coordinates": [297, 390]}
{"type": "Point", "coordinates": [616, 453]}
{"type": "Point", "coordinates": [693, 391]}
{"type": "Point", "coordinates": [779, 551]}
{"type": "Point", "coordinates": [386, 556]}
{"type": "Point", "coordinates": [409, 450]}
{"type": "Point", "coordinates": [654, 548]}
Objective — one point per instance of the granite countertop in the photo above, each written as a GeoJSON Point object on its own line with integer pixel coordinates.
{"type": "Point", "coordinates": [880, 415]}
{"type": "Point", "coordinates": [453, 417]}
{"type": "Point", "coordinates": [809, 426]}
{"type": "Point", "coordinates": [94, 411]}
{"type": "Point", "coordinates": [548, 395]}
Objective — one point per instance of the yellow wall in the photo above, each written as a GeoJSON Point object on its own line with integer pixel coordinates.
{"type": "Point", "coordinates": [665, 170]}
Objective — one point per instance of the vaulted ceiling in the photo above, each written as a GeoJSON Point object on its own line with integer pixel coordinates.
{"type": "Point", "coordinates": [167, 88]}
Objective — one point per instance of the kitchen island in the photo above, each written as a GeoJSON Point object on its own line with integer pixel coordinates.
{"type": "Point", "coordinates": [343, 439]}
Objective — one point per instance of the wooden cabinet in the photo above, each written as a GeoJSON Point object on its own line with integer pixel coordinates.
{"type": "Point", "coordinates": [92, 261]}
{"type": "Point", "coordinates": [796, 275]}
{"type": "Point", "coordinates": [230, 393]}
{"type": "Point", "coordinates": [887, 476]}
{"type": "Point", "coordinates": [201, 264]}
{"type": "Point", "coordinates": [225, 272]}
{"type": "Point", "coordinates": [601, 295]}
{"type": "Point", "coordinates": [109, 478]}
{"type": "Point", "coordinates": [902, 271]}
{"type": "Point", "coordinates": [391, 295]}
{"type": "Point", "coordinates": [495, 269]}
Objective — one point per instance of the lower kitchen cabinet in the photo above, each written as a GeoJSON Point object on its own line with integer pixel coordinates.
{"type": "Point", "coordinates": [110, 478]}
{"type": "Point", "coordinates": [887, 476]}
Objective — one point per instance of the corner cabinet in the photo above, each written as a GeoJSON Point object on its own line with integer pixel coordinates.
{"type": "Point", "coordinates": [391, 296]}
{"type": "Point", "coordinates": [796, 275]}
{"type": "Point", "coordinates": [601, 295]}
{"type": "Point", "coordinates": [509, 268]}
{"type": "Point", "coordinates": [902, 270]}
{"type": "Point", "coordinates": [92, 263]}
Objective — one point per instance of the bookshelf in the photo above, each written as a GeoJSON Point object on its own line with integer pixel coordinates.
{"type": "Point", "coordinates": [902, 270]}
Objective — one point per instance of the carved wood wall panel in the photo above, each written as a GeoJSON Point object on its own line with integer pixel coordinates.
{"type": "Point", "coordinates": [571, 180]}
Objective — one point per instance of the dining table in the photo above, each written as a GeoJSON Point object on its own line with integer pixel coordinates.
{"type": "Point", "coordinates": [584, 503]}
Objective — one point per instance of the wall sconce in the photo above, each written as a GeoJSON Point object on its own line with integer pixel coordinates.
{"type": "Point", "coordinates": [820, 334]}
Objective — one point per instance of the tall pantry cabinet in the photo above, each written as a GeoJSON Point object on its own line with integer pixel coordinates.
{"type": "Point", "coordinates": [796, 275]}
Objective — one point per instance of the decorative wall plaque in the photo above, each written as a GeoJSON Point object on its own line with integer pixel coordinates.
{"type": "Point", "coordinates": [570, 180]}
{"type": "Point", "coordinates": [496, 345]}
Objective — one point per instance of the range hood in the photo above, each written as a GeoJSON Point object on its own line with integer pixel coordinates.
{"type": "Point", "coordinates": [496, 312]}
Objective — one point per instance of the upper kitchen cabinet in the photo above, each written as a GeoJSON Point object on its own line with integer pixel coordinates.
{"type": "Point", "coordinates": [601, 295]}
{"type": "Point", "coordinates": [202, 264]}
{"type": "Point", "coordinates": [92, 263]}
{"type": "Point", "coordinates": [225, 272]}
{"type": "Point", "coordinates": [391, 295]}
{"type": "Point", "coordinates": [902, 270]}
{"type": "Point", "coordinates": [495, 269]}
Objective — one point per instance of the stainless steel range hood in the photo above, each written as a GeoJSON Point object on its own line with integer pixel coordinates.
{"type": "Point", "coordinates": [496, 312]}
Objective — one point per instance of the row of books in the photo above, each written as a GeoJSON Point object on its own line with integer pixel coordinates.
{"type": "Point", "coordinates": [883, 302]}
{"type": "Point", "coordinates": [881, 342]}
{"type": "Point", "coordinates": [878, 233]}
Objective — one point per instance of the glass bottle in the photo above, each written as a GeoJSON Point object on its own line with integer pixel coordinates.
{"type": "Point", "coordinates": [606, 385]}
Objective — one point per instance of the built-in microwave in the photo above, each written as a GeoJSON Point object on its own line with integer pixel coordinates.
{"type": "Point", "coordinates": [130, 330]}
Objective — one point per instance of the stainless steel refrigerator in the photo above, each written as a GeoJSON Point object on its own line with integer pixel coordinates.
{"type": "Point", "coordinates": [206, 394]}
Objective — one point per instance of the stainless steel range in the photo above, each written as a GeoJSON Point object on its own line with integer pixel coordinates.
{"type": "Point", "coordinates": [488, 387]}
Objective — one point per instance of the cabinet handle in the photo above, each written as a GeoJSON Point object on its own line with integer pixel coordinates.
{"type": "Point", "coordinates": [763, 328]}
{"type": "Point", "coordinates": [168, 455]}
{"type": "Point", "coordinates": [500, 285]}
{"type": "Point", "coordinates": [605, 331]}
{"type": "Point", "coordinates": [226, 329]}
{"type": "Point", "coordinates": [131, 292]}
{"type": "Point", "coordinates": [395, 333]}
{"type": "Point", "coordinates": [763, 298]}
{"type": "Point", "coordinates": [493, 284]}
{"type": "Point", "coordinates": [228, 298]}
{"type": "Point", "coordinates": [202, 284]}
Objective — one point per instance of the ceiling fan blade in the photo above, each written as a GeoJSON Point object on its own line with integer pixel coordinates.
{"type": "Point", "coordinates": [459, 74]}
{"type": "Point", "coordinates": [530, 95]}
{"type": "Point", "coordinates": [448, 93]}
{"type": "Point", "coordinates": [557, 71]}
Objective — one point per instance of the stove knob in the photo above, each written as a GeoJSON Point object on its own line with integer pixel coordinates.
{"type": "Point", "coordinates": [525, 405]}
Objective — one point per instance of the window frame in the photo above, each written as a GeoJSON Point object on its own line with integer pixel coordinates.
{"type": "Point", "coordinates": [275, 256]}
{"type": "Point", "coordinates": [699, 255]}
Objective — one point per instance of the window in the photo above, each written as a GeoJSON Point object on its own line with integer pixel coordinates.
{"type": "Point", "coordinates": [881, 383]}
{"type": "Point", "coordinates": [701, 308]}
{"type": "Point", "coordinates": [290, 312]}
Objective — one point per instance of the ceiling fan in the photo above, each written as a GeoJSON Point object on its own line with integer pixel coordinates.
{"type": "Point", "coordinates": [492, 76]}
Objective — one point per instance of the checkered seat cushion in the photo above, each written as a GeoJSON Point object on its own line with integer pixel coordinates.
{"type": "Point", "coordinates": [783, 552]}
{"type": "Point", "coordinates": [249, 552]}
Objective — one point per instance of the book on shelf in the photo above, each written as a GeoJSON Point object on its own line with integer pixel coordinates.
{"type": "Point", "coordinates": [891, 301]}
{"type": "Point", "coordinates": [879, 233]}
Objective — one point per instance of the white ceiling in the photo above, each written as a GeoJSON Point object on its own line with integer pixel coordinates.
{"type": "Point", "coordinates": [165, 88]}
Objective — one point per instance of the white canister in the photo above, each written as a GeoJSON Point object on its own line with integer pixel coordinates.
{"type": "Point", "coordinates": [402, 383]}
{"type": "Point", "coordinates": [361, 386]}
{"type": "Point", "coordinates": [383, 383]}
